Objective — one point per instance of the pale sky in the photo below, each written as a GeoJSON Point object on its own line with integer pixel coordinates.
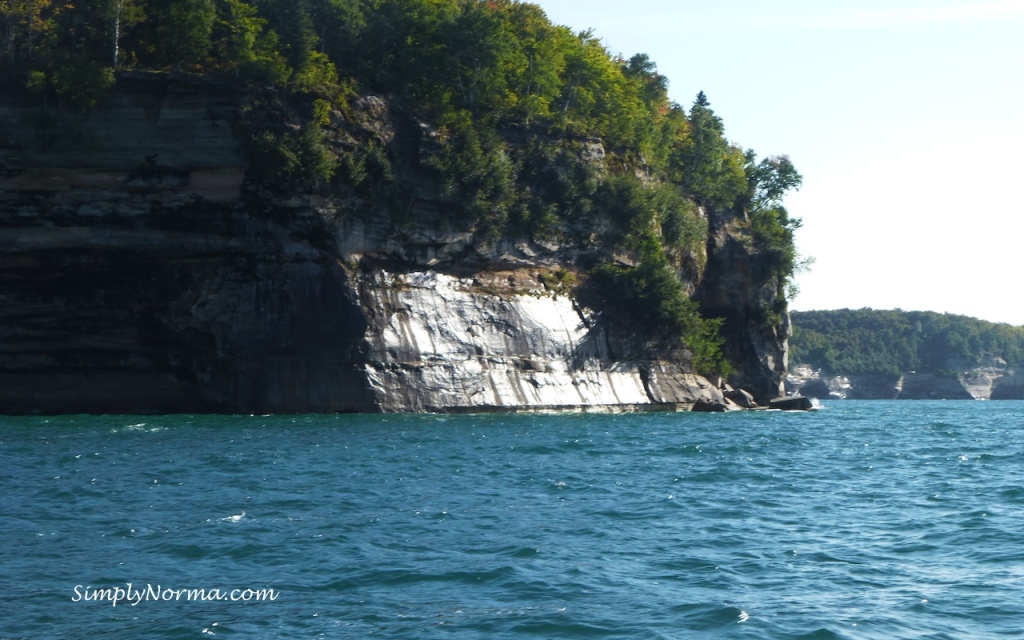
{"type": "Point", "coordinates": [905, 117]}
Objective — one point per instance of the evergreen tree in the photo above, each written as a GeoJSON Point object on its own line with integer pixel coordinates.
{"type": "Point", "coordinates": [705, 164]}
{"type": "Point", "coordinates": [184, 29]}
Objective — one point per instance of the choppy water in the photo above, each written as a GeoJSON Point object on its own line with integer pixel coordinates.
{"type": "Point", "coordinates": [863, 520]}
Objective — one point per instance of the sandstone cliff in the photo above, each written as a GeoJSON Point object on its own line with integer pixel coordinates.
{"type": "Point", "coordinates": [993, 381]}
{"type": "Point", "coordinates": [734, 288]}
{"type": "Point", "coordinates": [143, 272]}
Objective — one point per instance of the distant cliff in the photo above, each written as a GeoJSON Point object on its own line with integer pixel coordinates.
{"type": "Point", "coordinates": [993, 382]}
{"type": "Point", "coordinates": [148, 265]}
{"type": "Point", "coordinates": [873, 354]}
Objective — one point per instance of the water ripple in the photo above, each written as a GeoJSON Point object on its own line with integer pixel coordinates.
{"type": "Point", "coordinates": [865, 520]}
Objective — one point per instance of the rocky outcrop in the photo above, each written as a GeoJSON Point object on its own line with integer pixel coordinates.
{"type": "Point", "coordinates": [737, 288]}
{"type": "Point", "coordinates": [929, 386]}
{"type": "Point", "coordinates": [141, 273]}
{"type": "Point", "coordinates": [240, 314]}
{"type": "Point", "coordinates": [439, 342]}
{"type": "Point", "coordinates": [231, 315]}
{"type": "Point", "coordinates": [1008, 387]}
{"type": "Point", "coordinates": [154, 135]}
{"type": "Point", "coordinates": [792, 403]}
{"type": "Point", "coordinates": [870, 386]}
{"type": "Point", "coordinates": [993, 381]}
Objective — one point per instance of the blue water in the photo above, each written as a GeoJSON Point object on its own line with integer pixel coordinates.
{"type": "Point", "coordinates": [862, 520]}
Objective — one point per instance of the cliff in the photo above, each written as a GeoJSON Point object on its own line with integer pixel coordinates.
{"type": "Point", "coordinates": [734, 288]}
{"type": "Point", "coordinates": [994, 381]}
{"type": "Point", "coordinates": [144, 270]}
{"type": "Point", "coordinates": [918, 355]}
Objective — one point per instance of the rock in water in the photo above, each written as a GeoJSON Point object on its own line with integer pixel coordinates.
{"type": "Point", "coordinates": [742, 398]}
{"type": "Point", "coordinates": [791, 403]}
{"type": "Point", "coordinates": [706, 406]}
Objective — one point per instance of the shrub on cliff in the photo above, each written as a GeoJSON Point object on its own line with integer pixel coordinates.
{"type": "Point", "coordinates": [476, 172]}
{"type": "Point", "coordinates": [77, 83]}
{"type": "Point", "coordinates": [291, 160]}
{"type": "Point", "coordinates": [648, 298]}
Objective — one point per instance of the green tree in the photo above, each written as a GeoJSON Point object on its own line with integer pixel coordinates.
{"type": "Point", "coordinates": [67, 49]}
{"type": "Point", "coordinates": [292, 20]}
{"type": "Point", "coordinates": [654, 86]}
{"type": "Point", "coordinates": [706, 165]}
{"type": "Point", "coordinates": [23, 24]}
{"type": "Point", "coordinates": [542, 46]}
{"type": "Point", "coordinates": [292, 161]}
{"type": "Point", "coordinates": [585, 63]}
{"type": "Point", "coordinates": [770, 180]}
{"type": "Point", "coordinates": [244, 46]}
{"type": "Point", "coordinates": [340, 25]}
{"type": "Point", "coordinates": [183, 29]}
{"type": "Point", "coordinates": [477, 173]}
{"type": "Point", "coordinates": [486, 56]}
{"type": "Point", "coordinates": [771, 225]}
{"type": "Point", "coordinates": [650, 299]}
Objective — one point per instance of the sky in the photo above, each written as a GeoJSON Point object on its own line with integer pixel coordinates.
{"type": "Point", "coordinates": [905, 118]}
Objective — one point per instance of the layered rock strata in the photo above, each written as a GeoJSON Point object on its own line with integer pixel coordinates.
{"type": "Point", "coordinates": [437, 342]}
{"type": "Point", "coordinates": [141, 273]}
{"type": "Point", "coordinates": [980, 383]}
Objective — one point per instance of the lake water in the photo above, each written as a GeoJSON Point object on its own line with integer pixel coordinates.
{"type": "Point", "coordinates": [861, 520]}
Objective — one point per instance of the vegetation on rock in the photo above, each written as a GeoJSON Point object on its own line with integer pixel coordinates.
{"type": "Point", "coordinates": [542, 132]}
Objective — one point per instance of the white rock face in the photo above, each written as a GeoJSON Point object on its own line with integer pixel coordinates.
{"type": "Point", "coordinates": [437, 342]}
{"type": "Point", "coordinates": [993, 380]}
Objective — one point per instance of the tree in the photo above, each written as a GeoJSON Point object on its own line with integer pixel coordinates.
{"type": "Point", "coordinates": [476, 172]}
{"type": "Point", "coordinates": [769, 180]}
{"type": "Point", "coordinates": [542, 46]}
{"type": "Point", "coordinates": [183, 29]}
{"type": "Point", "coordinates": [22, 24]}
{"type": "Point", "coordinates": [582, 79]}
{"type": "Point", "coordinates": [772, 227]}
{"type": "Point", "coordinates": [482, 54]}
{"type": "Point", "coordinates": [121, 17]}
{"type": "Point", "coordinates": [339, 26]}
{"type": "Point", "coordinates": [706, 165]}
{"type": "Point", "coordinates": [654, 86]}
{"type": "Point", "coordinates": [292, 20]}
{"type": "Point", "coordinates": [243, 45]}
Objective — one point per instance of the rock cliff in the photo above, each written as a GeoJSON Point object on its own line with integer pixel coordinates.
{"type": "Point", "coordinates": [143, 272]}
{"type": "Point", "coordinates": [990, 382]}
{"type": "Point", "coordinates": [734, 288]}
{"type": "Point", "coordinates": [439, 342]}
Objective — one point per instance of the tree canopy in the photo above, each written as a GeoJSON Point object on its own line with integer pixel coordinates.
{"type": "Point", "coordinates": [892, 342]}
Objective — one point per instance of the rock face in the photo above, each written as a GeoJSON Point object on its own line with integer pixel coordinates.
{"type": "Point", "coordinates": [736, 289]}
{"type": "Point", "coordinates": [926, 386]}
{"type": "Point", "coordinates": [238, 315]}
{"type": "Point", "coordinates": [874, 387]}
{"type": "Point", "coordinates": [137, 276]}
{"type": "Point", "coordinates": [154, 135]}
{"type": "Point", "coordinates": [989, 382]}
{"type": "Point", "coordinates": [1008, 387]}
{"type": "Point", "coordinates": [437, 342]}
{"type": "Point", "coordinates": [229, 316]}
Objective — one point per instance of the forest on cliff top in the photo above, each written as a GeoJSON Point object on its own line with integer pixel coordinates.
{"type": "Point", "coordinates": [514, 97]}
{"type": "Point", "coordinates": [866, 341]}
